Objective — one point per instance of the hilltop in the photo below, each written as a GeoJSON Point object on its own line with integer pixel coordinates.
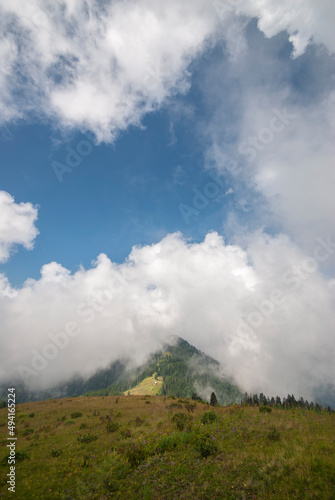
{"type": "Point", "coordinates": [182, 368]}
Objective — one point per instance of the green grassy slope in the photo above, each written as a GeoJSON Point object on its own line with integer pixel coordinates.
{"type": "Point", "coordinates": [148, 386]}
{"type": "Point", "coordinates": [164, 448]}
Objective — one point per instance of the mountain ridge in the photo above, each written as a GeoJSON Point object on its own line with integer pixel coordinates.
{"type": "Point", "coordinates": [184, 368]}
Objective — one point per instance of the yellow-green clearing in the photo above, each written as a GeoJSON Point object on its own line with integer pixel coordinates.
{"type": "Point", "coordinates": [149, 386]}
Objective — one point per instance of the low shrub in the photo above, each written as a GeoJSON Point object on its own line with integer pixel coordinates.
{"type": "Point", "coordinates": [56, 453]}
{"type": "Point", "coordinates": [126, 433]}
{"type": "Point", "coordinates": [205, 445]}
{"type": "Point", "coordinates": [138, 421]}
{"type": "Point", "coordinates": [208, 417]}
{"type": "Point", "coordinates": [181, 420]}
{"type": "Point", "coordinates": [69, 422]}
{"type": "Point", "coordinates": [265, 409]}
{"type": "Point", "coordinates": [28, 431]}
{"type": "Point", "coordinates": [135, 453]}
{"type": "Point", "coordinates": [175, 405]}
{"type": "Point", "coordinates": [76, 414]}
{"type": "Point", "coordinates": [116, 468]}
{"type": "Point", "coordinates": [20, 456]}
{"type": "Point", "coordinates": [274, 435]}
{"type": "Point", "coordinates": [190, 407]}
{"type": "Point", "coordinates": [112, 427]}
{"type": "Point", "coordinates": [169, 443]}
{"type": "Point", "coordinates": [87, 438]}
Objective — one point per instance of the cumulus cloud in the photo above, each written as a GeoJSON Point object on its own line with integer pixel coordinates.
{"type": "Point", "coordinates": [296, 173]}
{"type": "Point", "coordinates": [267, 321]}
{"type": "Point", "coordinates": [98, 66]}
{"type": "Point", "coordinates": [17, 225]}
{"type": "Point", "coordinates": [102, 66]}
{"type": "Point", "coordinates": [305, 20]}
{"type": "Point", "coordinates": [274, 136]}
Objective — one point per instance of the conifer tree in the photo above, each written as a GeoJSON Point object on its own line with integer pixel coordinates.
{"type": "Point", "coordinates": [213, 401]}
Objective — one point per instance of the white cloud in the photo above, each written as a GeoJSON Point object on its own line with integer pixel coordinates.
{"type": "Point", "coordinates": [306, 21]}
{"type": "Point", "coordinates": [17, 225]}
{"type": "Point", "coordinates": [275, 136]}
{"type": "Point", "coordinates": [95, 67]}
{"type": "Point", "coordinates": [200, 291]}
{"type": "Point", "coordinates": [296, 173]}
{"type": "Point", "coordinates": [102, 67]}
{"type": "Point", "coordinates": [290, 165]}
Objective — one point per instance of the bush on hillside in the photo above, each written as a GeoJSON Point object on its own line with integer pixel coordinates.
{"type": "Point", "coordinates": [206, 446]}
{"type": "Point", "coordinates": [182, 420]}
{"type": "Point", "coordinates": [265, 409]}
{"type": "Point", "coordinates": [76, 414]}
{"type": "Point", "coordinates": [208, 417]}
{"type": "Point", "coordinates": [112, 427]}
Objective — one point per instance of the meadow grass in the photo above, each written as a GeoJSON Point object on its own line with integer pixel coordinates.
{"type": "Point", "coordinates": [146, 387]}
{"type": "Point", "coordinates": [239, 453]}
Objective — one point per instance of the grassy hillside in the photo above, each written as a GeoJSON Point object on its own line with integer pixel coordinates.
{"type": "Point", "coordinates": [149, 387]}
{"type": "Point", "coordinates": [164, 448]}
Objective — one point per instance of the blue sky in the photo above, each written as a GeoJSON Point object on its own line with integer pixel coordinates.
{"type": "Point", "coordinates": [187, 147]}
{"type": "Point", "coordinates": [138, 189]}
{"type": "Point", "coordinates": [122, 194]}
{"type": "Point", "coordinates": [118, 196]}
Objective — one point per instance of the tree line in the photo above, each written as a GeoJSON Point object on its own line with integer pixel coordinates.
{"type": "Point", "coordinates": [286, 403]}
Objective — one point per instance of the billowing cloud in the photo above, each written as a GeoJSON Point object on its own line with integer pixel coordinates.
{"type": "Point", "coordinates": [98, 66]}
{"type": "Point", "coordinates": [305, 20]}
{"type": "Point", "coordinates": [102, 66]}
{"type": "Point", "coordinates": [17, 225]}
{"type": "Point", "coordinates": [266, 313]}
{"type": "Point", "coordinates": [274, 136]}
